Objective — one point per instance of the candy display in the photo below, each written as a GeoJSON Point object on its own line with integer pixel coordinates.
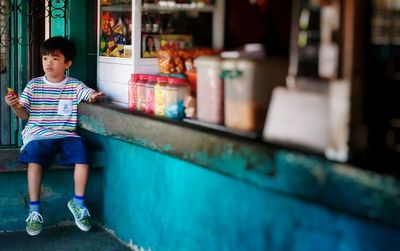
{"type": "Point", "coordinates": [170, 61]}
{"type": "Point", "coordinates": [144, 37]}
{"type": "Point", "coordinates": [180, 61]}
{"type": "Point", "coordinates": [115, 34]}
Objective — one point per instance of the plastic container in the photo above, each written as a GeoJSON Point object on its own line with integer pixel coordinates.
{"type": "Point", "coordinates": [210, 89]}
{"type": "Point", "coordinates": [160, 90]}
{"type": "Point", "coordinates": [132, 92]}
{"type": "Point", "coordinates": [141, 92]}
{"type": "Point", "coordinates": [176, 91]}
{"type": "Point", "coordinates": [248, 87]}
{"type": "Point", "coordinates": [151, 82]}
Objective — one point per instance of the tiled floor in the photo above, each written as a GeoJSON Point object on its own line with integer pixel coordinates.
{"type": "Point", "coordinates": [64, 238]}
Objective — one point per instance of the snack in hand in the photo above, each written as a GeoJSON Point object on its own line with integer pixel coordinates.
{"type": "Point", "coordinates": [12, 93]}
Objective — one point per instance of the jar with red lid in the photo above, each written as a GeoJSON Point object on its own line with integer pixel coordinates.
{"type": "Point", "coordinates": [151, 82]}
{"type": "Point", "coordinates": [141, 92]}
{"type": "Point", "coordinates": [176, 91]}
{"type": "Point", "coordinates": [159, 95]}
{"type": "Point", "coordinates": [132, 91]}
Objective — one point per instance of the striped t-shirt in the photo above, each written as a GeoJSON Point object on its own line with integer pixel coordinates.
{"type": "Point", "coordinates": [52, 108]}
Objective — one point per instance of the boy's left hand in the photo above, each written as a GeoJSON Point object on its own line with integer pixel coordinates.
{"type": "Point", "coordinates": [96, 96]}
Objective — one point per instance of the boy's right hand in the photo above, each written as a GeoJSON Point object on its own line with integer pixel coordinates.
{"type": "Point", "coordinates": [12, 99]}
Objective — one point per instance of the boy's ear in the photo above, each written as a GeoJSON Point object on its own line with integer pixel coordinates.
{"type": "Point", "coordinates": [68, 64]}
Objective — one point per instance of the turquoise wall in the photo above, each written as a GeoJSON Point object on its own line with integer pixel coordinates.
{"type": "Point", "coordinates": [161, 203]}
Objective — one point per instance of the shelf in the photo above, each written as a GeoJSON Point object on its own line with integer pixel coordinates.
{"type": "Point", "coordinates": [178, 7]}
{"type": "Point", "coordinates": [221, 128]}
{"type": "Point", "coordinates": [114, 60]}
{"type": "Point", "coordinates": [117, 7]}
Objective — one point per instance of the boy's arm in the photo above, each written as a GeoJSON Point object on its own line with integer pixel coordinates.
{"type": "Point", "coordinates": [95, 96]}
{"type": "Point", "coordinates": [20, 112]}
{"type": "Point", "coordinates": [85, 93]}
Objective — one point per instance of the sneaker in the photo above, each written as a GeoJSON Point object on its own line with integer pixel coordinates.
{"type": "Point", "coordinates": [34, 223]}
{"type": "Point", "coordinates": [81, 215]}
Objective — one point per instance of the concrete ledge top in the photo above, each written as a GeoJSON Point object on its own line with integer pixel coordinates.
{"type": "Point", "coordinates": [306, 176]}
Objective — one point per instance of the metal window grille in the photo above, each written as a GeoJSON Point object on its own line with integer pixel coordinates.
{"type": "Point", "coordinates": [23, 26]}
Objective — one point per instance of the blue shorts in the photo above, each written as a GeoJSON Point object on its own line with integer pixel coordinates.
{"type": "Point", "coordinates": [72, 151]}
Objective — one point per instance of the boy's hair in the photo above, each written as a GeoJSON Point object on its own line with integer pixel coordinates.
{"type": "Point", "coordinates": [55, 45]}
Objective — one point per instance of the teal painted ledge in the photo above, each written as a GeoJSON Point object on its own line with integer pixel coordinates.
{"type": "Point", "coordinates": [307, 177]}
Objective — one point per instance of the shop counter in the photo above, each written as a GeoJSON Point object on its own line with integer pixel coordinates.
{"type": "Point", "coordinates": [275, 168]}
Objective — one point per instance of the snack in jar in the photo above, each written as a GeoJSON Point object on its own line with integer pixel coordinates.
{"type": "Point", "coordinates": [176, 91]}
{"type": "Point", "coordinates": [159, 95]}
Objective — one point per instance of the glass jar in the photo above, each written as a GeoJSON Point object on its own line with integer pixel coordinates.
{"type": "Point", "coordinates": [176, 91]}
{"type": "Point", "coordinates": [210, 89]}
{"type": "Point", "coordinates": [132, 91]}
{"type": "Point", "coordinates": [159, 95]}
{"type": "Point", "coordinates": [248, 87]}
{"type": "Point", "coordinates": [141, 92]}
{"type": "Point", "coordinates": [151, 82]}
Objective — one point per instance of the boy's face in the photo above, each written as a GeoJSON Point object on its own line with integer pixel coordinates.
{"type": "Point", "coordinates": [54, 66]}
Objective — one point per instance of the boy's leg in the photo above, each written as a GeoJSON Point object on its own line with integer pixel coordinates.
{"type": "Point", "coordinates": [35, 219]}
{"type": "Point", "coordinates": [81, 174]}
{"type": "Point", "coordinates": [34, 181]}
{"type": "Point", "coordinates": [77, 205]}
{"type": "Point", "coordinates": [73, 151]}
{"type": "Point", "coordinates": [35, 152]}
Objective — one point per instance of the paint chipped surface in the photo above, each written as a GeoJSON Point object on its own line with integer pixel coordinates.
{"type": "Point", "coordinates": [135, 247]}
{"type": "Point", "coordinates": [369, 179]}
{"type": "Point", "coordinates": [320, 175]}
{"type": "Point", "coordinates": [167, 148]}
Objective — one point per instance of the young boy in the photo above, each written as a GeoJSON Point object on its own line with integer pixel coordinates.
{"type": "Point", "coordinates": [50, 104]}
